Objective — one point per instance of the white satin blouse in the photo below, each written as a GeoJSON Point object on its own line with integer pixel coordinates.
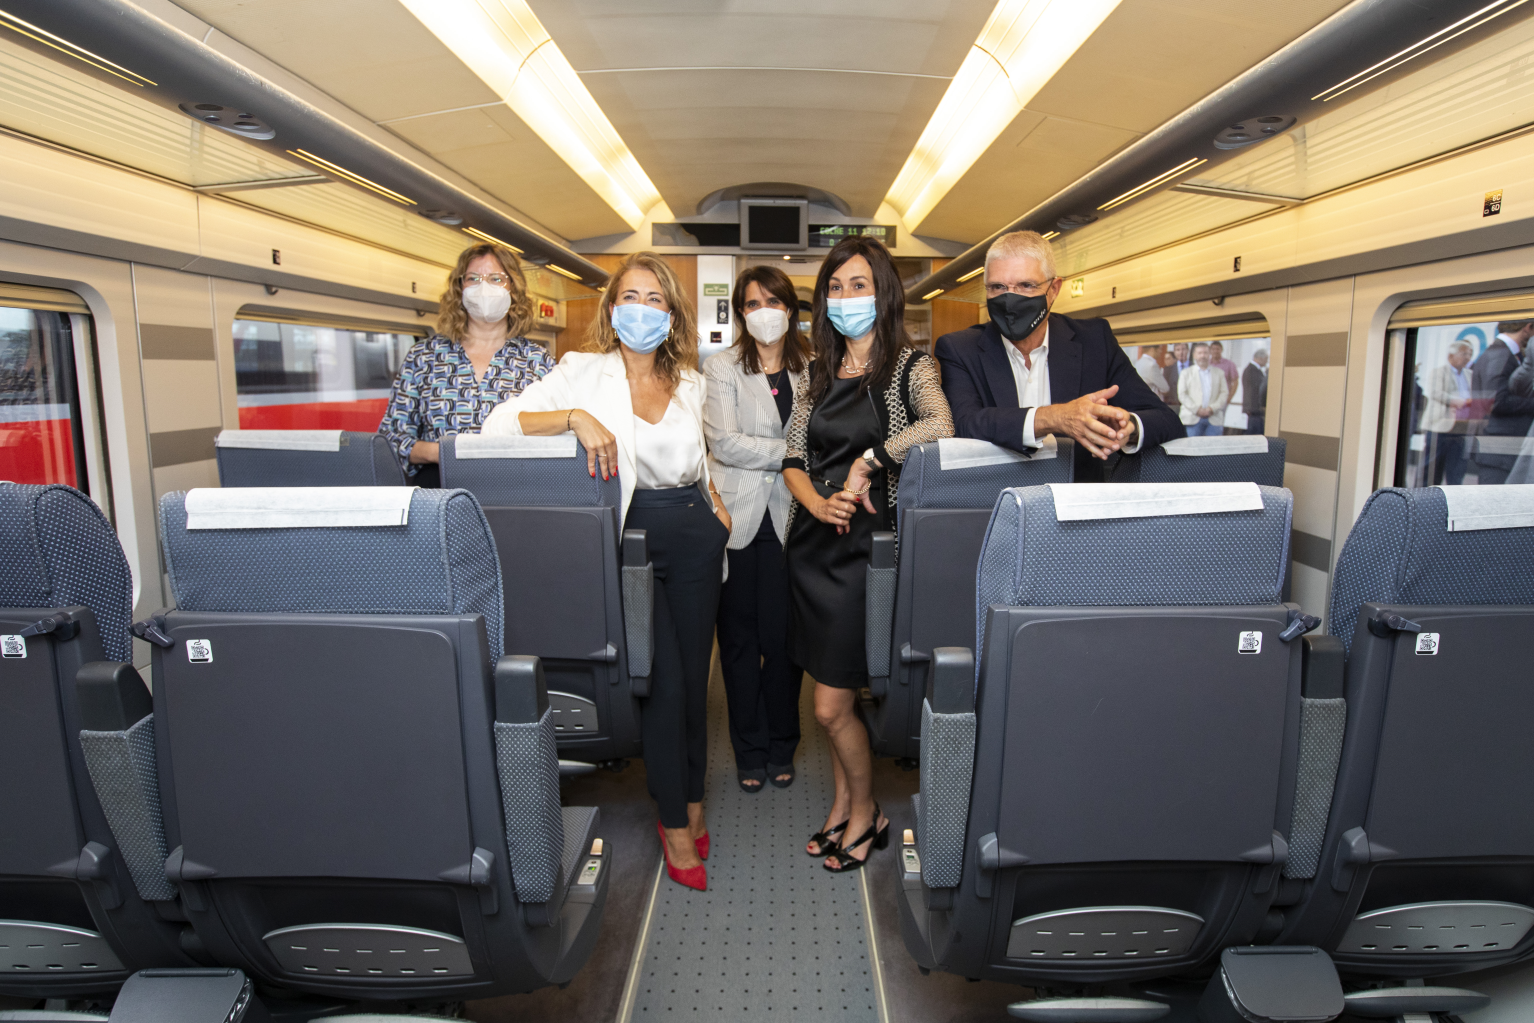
{"type": "Point", "coordinates": [668, 453]}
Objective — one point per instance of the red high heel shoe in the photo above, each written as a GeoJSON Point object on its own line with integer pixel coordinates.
{"type": "Point", "coordinates": [692, 877]}
{"type": "Point", "coordinates": [701, 843]}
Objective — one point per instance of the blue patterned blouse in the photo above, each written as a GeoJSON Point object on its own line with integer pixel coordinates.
{"type": "Point", "coordinates": [435, 392]}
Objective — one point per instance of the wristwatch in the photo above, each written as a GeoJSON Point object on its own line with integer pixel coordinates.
{"type": "Point", "coordinates": [870, 461]}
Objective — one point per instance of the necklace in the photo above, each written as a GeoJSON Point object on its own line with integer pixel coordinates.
{"type": "Point", "coordinates": [852, 367]}
{"type": "Point", "coordinates": [775, 380]}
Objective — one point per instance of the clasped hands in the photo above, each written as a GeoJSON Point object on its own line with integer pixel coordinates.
{"type": "Point", "coordinates": [837, 510]}
{"type": "Point", "coordinates": [1090, 421]}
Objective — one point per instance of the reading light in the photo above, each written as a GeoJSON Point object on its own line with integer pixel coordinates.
{"type": "Point", "coordinates": [562, 270]}
{"type": "Point", "coordinates": [1159, 179]}
{"type": "Point", "coordinates": [64, 46]}
{"type": "Point", "coordinates": [492, 239]}
{"type": "Point", "coordinates": [1466, 24]}
{"type": "Point", "coordinates": [503, 43]}
{"type": "Point", "coordinates": [939, 291]}
{"type": "Point", "coordinates": [1020, 48]}
{"type": "Point", "coordinates": [976, 272]}
{"type": "Point", "coordinates": [356, 179]}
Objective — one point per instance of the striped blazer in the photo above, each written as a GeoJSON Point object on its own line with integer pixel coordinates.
{"type": "Point", "coordinates": [745, 445]}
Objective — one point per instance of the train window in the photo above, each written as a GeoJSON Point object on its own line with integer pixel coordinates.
{"type": "Point", "coordinates": [305, 376]}
{"type": "Point", "coordinates": [43, 431]}
{"type": "Point", "coordinates": [1243, 361]}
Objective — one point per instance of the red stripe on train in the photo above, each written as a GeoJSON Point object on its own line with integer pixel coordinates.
{"type": "Point", "coordinates": [360, 416]}
{"type": "Point", "coordinates": [40, 451]}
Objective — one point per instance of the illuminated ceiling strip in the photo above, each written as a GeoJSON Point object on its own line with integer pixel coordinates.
{"type": "Point", "coordinates": [1047, 235]}
{"type": "Point", "coordinates": [562, 270]}
{"type": "Point", "coordinates": [1161, 178]}
{"type": "Point", "coordinates": [356, 179]}
{"type": "Point", "coordinates": [64, 46]}
{"type": "Point", "coordinates": [1421, 46]}
{"type": "Point", "coordinates": [505, 45]}
{"type": "Point", "coordinates": [976, 272]}
{"type": "Point", "coordinates": [1021, 47]}
{"type": "Point", "coordinates": [933, 294]}
{"type": "Point", "coordinates": [492, 239]}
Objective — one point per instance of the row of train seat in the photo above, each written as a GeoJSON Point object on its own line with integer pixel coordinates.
{"type": "Point", "coordinates": [1154, 771]}
{"type": "Point", "coordinates": [342, 784]}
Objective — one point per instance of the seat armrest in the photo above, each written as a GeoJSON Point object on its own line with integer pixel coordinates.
{"type": "Point", "coordinates": [1322, 660]}
{"type": "Point", "coordinates": [188, 996]}
{"type": "Point", "coordinates": [521, 692]}
{"type": "Point", "coordinates": [112, 696]}
{"type": "Point", "coordinates": [951, 680]}
{"type": "Point", "coordinates": [879, 621]}
{"type": "Point", "coordinates": [638, 608]}
{"type": "Point", "coordinates": [636, 552]}
{"type": "Point", "coordinates": [1393, 1002]}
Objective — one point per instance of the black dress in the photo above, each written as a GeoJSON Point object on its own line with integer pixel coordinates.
{"type": "Point", "coordinates": [826, 571]}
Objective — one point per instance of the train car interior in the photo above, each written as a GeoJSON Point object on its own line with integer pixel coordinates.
{"type": "Point", "coordinates": [356, 663]}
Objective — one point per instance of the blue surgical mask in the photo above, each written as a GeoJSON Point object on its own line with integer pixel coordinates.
{"type": "Point", "coordinates": [852, 317]}
{"type": "Point", "coordinates": [641, 328]}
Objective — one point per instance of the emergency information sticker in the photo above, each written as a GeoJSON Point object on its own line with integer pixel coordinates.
{"type": "Point", "coordinates": [1249, 643]}
{"type": "Point", "coordinates": [199, 651]}
{"type": "Point", "coordinates": [1427, 644]}
{"type": "Point", "coordinates": [13, 646]}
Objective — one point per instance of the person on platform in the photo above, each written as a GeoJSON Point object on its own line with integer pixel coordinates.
{"type": "Point", "coordinates": [1506, 416]}
{"type": "Point", "coordinates": [1218, 360]}
{"type": "Point", "coordinates": [750, 395]}
{"type": "Point", "coordinates": [1029, 373]}
{"type": "Point", "coordinates": [870, 398]}
{"type": "Point", "coordinates": [634, 399]}
{"type": "Point", "coordinates": [1203, 395]}
{"type": "Point", "coordinates": [1446, 417]}
{"type": "Point", "coordinates": [449, 382]}
{"type": "Point", "coordinates": [1254, 392]}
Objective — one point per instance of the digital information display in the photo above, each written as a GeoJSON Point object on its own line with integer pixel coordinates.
{"type": "Point", "coordinates": [823, 236]}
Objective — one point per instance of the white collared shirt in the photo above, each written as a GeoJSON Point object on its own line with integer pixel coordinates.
{"type": "Point", "coordinates": [1203, 378]}
{"type": "Point", "coordinates": [1510, 343]}
{"type": "Point", "coordinates": [1033, 390]}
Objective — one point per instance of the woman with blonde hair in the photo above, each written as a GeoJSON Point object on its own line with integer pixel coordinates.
{"type": "Point", "coordinates": [634, 399]}
{"type": "Point", "coordinates": [449, 382]}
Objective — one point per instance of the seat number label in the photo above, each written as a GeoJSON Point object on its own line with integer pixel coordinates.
{"type": "Point", "coordinates": [1249, 643]}
{"type": "Point", "coordinates": [1427, 644]}
{"type": "Point", "coordinates": [199, 651]}
{"type": "Point", "coordinates": [13, 646]}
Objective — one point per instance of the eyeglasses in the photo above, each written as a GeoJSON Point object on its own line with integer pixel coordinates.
{"type": "Point", "coordinates": [1025, 288]}
{"type": "Point", "coordinates": [499, 280]}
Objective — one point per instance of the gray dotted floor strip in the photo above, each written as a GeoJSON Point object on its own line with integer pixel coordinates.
{"type": "Point", "coordinates": [775, 936]}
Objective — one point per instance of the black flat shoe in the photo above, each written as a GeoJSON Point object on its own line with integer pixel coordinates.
{"type": "Point", "coordinates": [825, 839]}
{"type": "Point", "coordinates": [755, 774]}
{"type": "Point", "coordinates": [846, 862]}
{"type": "Point", "coordinates": [773, 771]}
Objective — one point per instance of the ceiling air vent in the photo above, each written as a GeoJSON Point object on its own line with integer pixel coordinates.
{"type": "Point", "coordinates": [442, 217]}
{"type": "Point", "coordinates": [1071, 221]}
{"type": "Point", "coordinates": [1252, 130]}
{"type": "Point", "coordinates": [230, 119]}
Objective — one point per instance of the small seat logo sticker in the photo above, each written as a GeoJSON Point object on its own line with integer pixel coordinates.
{"type": "Point", "coordinates": [1249, 643]}
{"type": "Point", "coordinates": [13, 646]}
{"type": "Point", "coordinates": [199, 651]}
{"type": "Point", "coordinates": [1427, 644]}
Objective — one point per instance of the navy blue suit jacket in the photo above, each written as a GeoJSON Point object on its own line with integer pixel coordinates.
{"type": "Point", "coordinates": [1084, 357]}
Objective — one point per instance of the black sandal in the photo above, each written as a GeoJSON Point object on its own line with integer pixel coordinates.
{"type": "Point", "coordinates": [756, 774]}
{"type": "Point", "coordinates": [846, 862]}
{"type": "Point", "coordinates": [773, 771]}
{"type": "Point", "coordinates": [824, 839]}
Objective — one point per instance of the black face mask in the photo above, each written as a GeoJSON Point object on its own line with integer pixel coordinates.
{"type": "Point", "coordinates": [1017, 316]}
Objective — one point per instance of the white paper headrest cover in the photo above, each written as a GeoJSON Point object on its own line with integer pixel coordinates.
{"type": "Point", "coordinates": [510, 445]}
{"type": "Point", "coordinates": [967, 453]}
{"type": "Point", "coordinates": [1504, 507]}
{"type": "Point", "coordinates": [1075, 502]}
{"type": "Point", "coordinates": [1235, 444]}
{"type": "Point", "coordinates": [297, 507]}
{"type": "Point", "coordinates": [281, 440]}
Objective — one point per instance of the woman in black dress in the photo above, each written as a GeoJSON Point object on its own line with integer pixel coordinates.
{"type": "Point", "coordinates": [871, 397]}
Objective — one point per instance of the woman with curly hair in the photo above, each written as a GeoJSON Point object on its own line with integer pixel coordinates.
{"type": "Point", "coordinates": [634, 399]}
{"type": "Point", "coordinates": [449, 382]}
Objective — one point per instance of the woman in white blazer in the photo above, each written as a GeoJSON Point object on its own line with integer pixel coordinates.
{"type": "Point", "coordinates": [635, 400]}
{"type": "Point", "coordinates": [750, 395]}
{"type": "Point", "coordinates": [1203, 395]}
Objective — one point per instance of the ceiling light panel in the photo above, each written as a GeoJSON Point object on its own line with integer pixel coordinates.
{"type": "Point", "coordinates": [1021, 47]}
{"type": "Point", "coordinates": [503, 43]}
{"type": "Point", "coordinates": [69, 49]}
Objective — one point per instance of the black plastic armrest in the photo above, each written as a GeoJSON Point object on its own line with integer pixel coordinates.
{"type": "Point", "coordinates": [882, 554]}
{"type": "Point", "coordinates": [111, 696]}
{"type": "Point", "coordinates": [1322, 659]}
{"type": "Point", "coordinates": [521, 692]}
{"type": "Point", "coordinates": [187, 996]}
{"type": "Point", "coordinates": [636, 553]}
{"type": "Point", "coordinates": [951, 680]}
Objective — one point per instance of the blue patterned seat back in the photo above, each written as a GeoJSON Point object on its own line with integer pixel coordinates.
{"type": "Point", "coordinates": [1221, 558]}
{"type": "Point", "coordinates": [1400, 551]}
{"type": "Point", "coordinates": [534, 481]}
{"type": "Point", "coordinates": [1263, 468]}
{"type": "Point", "coordinates": [58, 550]}
{"type": "Point", "coordinates": [443, 562]}
{"type": "Point", "coordinates": [926, 483]}
{"type": "Point", "coordinates": [363, 460]}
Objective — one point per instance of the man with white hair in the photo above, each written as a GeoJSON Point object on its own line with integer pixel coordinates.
{"type": "Point", "coordinates": [1029, 373]}
{"type": "Point", "coordinates": [1446, 417]}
